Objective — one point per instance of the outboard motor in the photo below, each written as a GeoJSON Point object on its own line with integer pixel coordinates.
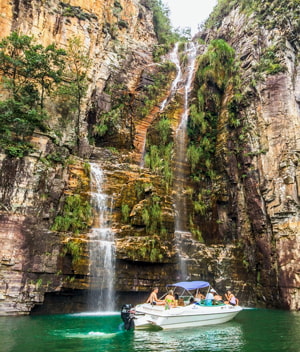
{"type": "Point", "coordinates": [127, 315]}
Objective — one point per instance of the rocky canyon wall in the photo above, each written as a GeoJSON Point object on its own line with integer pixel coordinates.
{"type": "Point", "coordinates": [118, 37]}
{"type": "Point", "coordinates": [259, 159]}
{"type": "Point", "coordinates": [249, 239]}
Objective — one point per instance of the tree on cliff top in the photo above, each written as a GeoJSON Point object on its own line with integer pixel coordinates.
{"type": "Point", "coordinates": [161, 21]}
{"type": "Point", "coordinates": [166, 37]}
{"type": "Point", "coordinates": [73, 87]}
{"type": "Point", "coordinates": [28, 71]}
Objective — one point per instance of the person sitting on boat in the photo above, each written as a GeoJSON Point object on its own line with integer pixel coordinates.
{"type": "Point", "coordinates": [231, 299]}
{"type": "Point", "coordinates": [153, 298]}
{"type": "Point", "coordinates": [210, 294]}
{"type": "Point", "coordinates": [170, 300]}
{"type": "Point", "coordinates": [210, 297]}
{"type": "Point", "coordinates": [180, 302]}
{"type": "Point", "coordinates": [192, 300]}
{"type": "Point", "coordinates": [199, 296]}
{"type": "Point", "coordinates": [217, 297]}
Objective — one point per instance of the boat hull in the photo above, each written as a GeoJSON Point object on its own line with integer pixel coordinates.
{"type": "Point", "coordinates": [182, 317]}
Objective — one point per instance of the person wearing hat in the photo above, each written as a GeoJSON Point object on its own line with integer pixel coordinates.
{"type": "Point", "coordinates": [210, 297]}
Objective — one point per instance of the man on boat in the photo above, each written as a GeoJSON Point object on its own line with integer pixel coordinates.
{"type": "Point", "coordinates": [210, 297]}
{"type": "Point", "coordinates": [153, 298]}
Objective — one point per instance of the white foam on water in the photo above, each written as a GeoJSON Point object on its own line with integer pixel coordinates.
{"type": "Point", "coordinates": [90, 334]}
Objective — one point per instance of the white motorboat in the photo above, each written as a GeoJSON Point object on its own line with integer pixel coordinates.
{"type": "Point", "coordinates": [199, 313]}
{"type": "Point", "coordinates": [182, 317]}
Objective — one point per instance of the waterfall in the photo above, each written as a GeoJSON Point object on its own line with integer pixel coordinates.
{"type": "Point", "coordinates": [174, 58]}
{"type": "Point", "coordinates": [182, 82]}
{"type": "Point", "coordinates": [192, 55]}
{"type": "Point", "coordinates": [181, 216]}
{"type": "Point", "coordinates": [102, 250]}
{"type": "Point", "coordinates": [181, 167]}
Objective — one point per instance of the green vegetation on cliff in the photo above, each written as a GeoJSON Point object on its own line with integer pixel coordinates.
{"type": "Point", "coordinates": [73, 247]}
{"type": "Point", "coordinates": [224, 88]}
{"type": "Point", "coordinates": [73, 86]}
{"type": "Point", "coordinates": [143, 206]}
{"type": "Point", "coordinates": [166, 37]}
{"type": "Point", "coordinates": [76, 215]}
{"type": "Point", "coordinates": [215, 74]}
{"type": "Point", "coordinates": [149, 250]}
{"type": "Point", "coordinates": [271, 14]}
{"type": "Point", "coordinates": [28, 72]}
{"type": "Point", "coordinates": [148, 95]}
{"type": "Point", "coordinates": [159, 151]}
{"type": "Point", "coordinates": [215, 108]}
{"type": "Point", "coordinates": [68, 10]}
{"type": "Point", "coordinates": [32, 74]}
{"type": "Point", "coordinates": [161, 21]}
{"type": "Point", "coordinates": [151, 92]}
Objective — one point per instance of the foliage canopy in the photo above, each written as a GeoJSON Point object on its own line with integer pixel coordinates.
{"type": "Point", "coordinates": [28, 72]}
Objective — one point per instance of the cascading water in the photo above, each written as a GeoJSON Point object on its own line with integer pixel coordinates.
{"type": "Point", "coordinates": [102, 250]}
{"type": "Point", "coordinates": [174, 58]}
{"type": "Point", "coordinates": [182, 81]}
{"type": "Point", "coordinates": [181, 215]}
{"type": "Point", "coordinates": [191, 51]}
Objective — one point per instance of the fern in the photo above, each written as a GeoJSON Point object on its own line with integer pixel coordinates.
{"type": "Point", "coordinates": [76, 215]}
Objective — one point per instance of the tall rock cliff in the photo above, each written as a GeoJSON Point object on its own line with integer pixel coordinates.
{"type": "Point", "coordinates": [242, 201]}
{"type": "Point", "coordinates": [118, 37]}
{"type": "Point", "coordinates": [256, 192]}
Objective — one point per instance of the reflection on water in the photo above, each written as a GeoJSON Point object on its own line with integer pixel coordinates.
{"type": "Point", "coordinates": [254, 330]}
{"type": "Point", "coordinates": [225, 337]}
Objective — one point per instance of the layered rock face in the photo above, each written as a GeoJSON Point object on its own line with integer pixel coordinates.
{"type": "Point", "coordinates": [260, 159]}
{"type": "Point", "coordinates": [250, 243]}
{"type": "Point", "coordinates": [118, 37]}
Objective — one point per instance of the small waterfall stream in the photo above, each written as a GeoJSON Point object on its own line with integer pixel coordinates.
{"type": "Point", "coordinates": [180, 162]}
{"type": "Point", "coordinates": [183, 81]}
{"type": "Point", "coordinates": [174, 58]}
{"type": "Point", "coordinates": [191, 51]}
{"type": "Point", "coordinates": [102, 250]}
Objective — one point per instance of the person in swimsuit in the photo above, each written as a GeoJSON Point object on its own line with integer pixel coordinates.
{"type": "Point", "coordinates": [231, 299]}
{"type": "Point", "coordinates": [153, 298]}
{"type": "Point", "coordinates": [170, 299]}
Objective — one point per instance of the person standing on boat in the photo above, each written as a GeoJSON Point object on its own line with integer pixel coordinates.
{"type": "Point", "coordinates": [231, 299]}
{"type": "Point", "coordinates": [153, 298]}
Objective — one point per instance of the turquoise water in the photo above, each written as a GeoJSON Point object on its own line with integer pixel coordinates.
{"type": "Point", "coordinates": [253, 330]}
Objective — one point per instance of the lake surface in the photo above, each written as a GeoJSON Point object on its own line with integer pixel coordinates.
{"type": "Point", "coordinates": [253, 330]}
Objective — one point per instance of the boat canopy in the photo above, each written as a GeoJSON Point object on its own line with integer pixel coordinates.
{"type": "Point", "coordinates": [191, 285]}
